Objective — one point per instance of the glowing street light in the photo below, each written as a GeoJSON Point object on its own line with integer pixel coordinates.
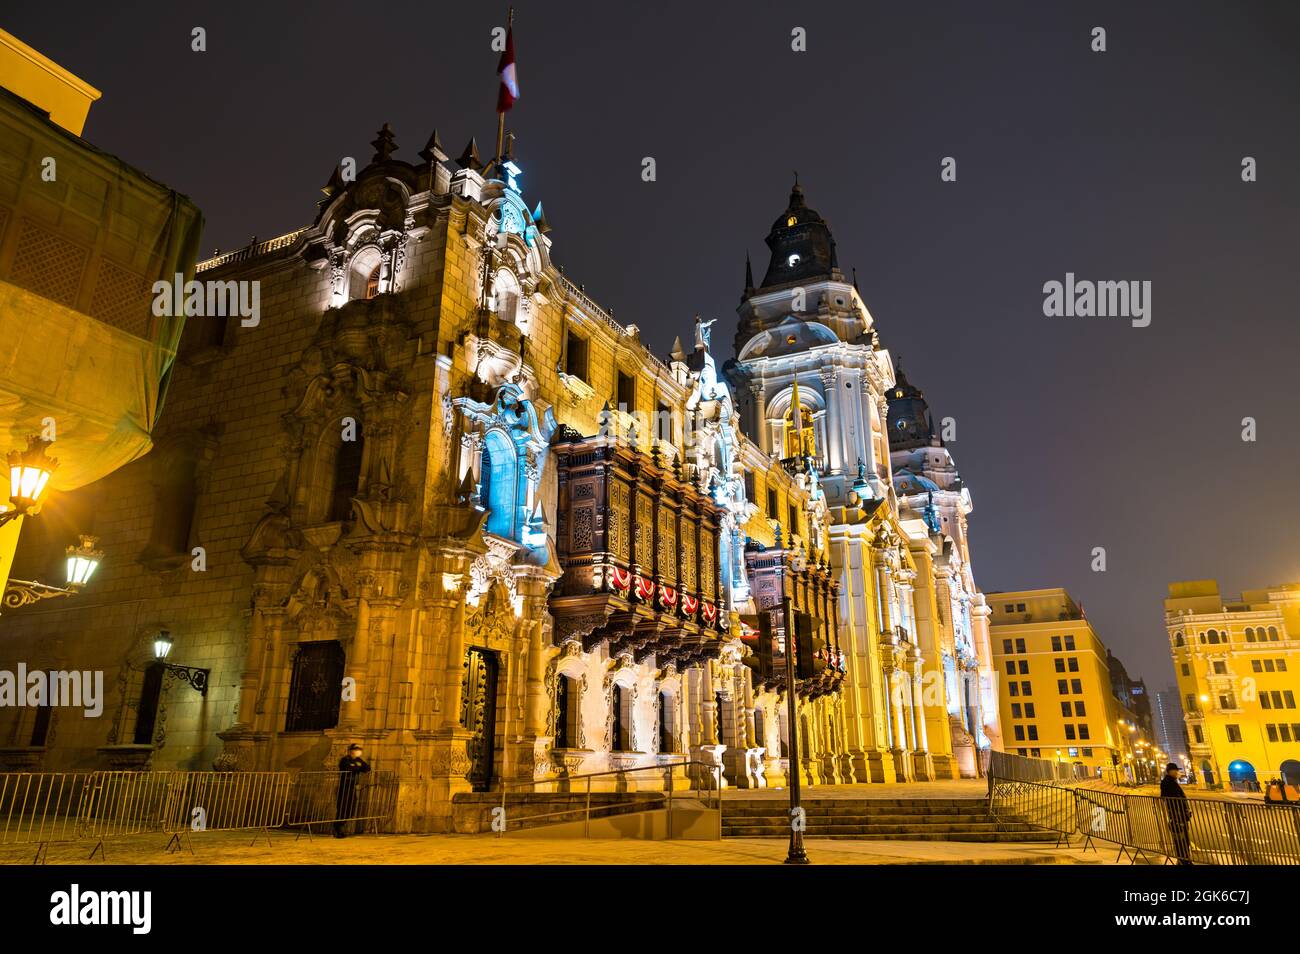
{"type": "Point", "coordinates": [29, 475]}
{"type": "Point", "coordinates": [192, 676]}
{"type": "Point", "coordinates": [83, 560]}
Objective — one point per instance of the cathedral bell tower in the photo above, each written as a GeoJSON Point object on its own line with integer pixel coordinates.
{"type": "Point", "coordinates": [805, 331]}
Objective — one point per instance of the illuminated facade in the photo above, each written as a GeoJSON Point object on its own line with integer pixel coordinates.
{"type": "Point", "coordinates": [437, 474]}
{"type": "Point", "coordinates": [1237, 681]}
{"type": "Point", "coordinates": [1056, 688]}
{"type": "Point", "coordinates": [814, 387]}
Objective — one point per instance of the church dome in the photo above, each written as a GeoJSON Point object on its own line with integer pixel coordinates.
{"type": "Point", "coordinates": [801, 243]}
{"type": "Point", "coordinates": [791, 336]}
{"type": "Point", "coordinates": [907, 483]}
{"type": "Point", "coordinates": [909, 415]}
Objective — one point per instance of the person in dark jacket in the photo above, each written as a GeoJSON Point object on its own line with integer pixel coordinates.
{"type": "Point", "coordinates": [1178, 812]}
{"type": "Point", "coordinates": [351, 767]}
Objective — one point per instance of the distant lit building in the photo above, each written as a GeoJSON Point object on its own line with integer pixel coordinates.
{"type": "Point", "coordinates": [1239, 680]}
{"type": "Point", "coordinates": [1056, 688]}
{"type": "Point", "coordinates": [1170, 727]}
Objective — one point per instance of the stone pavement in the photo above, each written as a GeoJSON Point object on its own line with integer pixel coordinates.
{"type": "Point", "coordinates": [234, 849]}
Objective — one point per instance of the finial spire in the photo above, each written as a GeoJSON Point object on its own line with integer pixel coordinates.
{"type": "Point", "coordinates": [469, 159]}
{"type": "Point", "coordinates": [796, 194]}
{"type": "Point", "coordinates": [432, 151]}
{"type": "Point", "coordinates": [539, 219]}
{"type": "Point", "coordinates": [749, 273]}
{"type": "Point", "coordinates": [385, 144]}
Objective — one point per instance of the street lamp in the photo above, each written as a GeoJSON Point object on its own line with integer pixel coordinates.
{"type": "Point", "coordinates": [193, 677]}
{"type": "Point", "coordinates": [83, 560]}
{"type": "Point", "coordinates": [796, 854]}
{"type": "Point", "coordinates": [29, 475]}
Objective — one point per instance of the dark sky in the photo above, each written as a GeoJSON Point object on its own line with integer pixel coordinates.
{"type": "Point", "coordinates": [1123, 165]}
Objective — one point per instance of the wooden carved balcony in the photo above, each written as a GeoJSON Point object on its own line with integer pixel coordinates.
{"type": "Point", "coordinates": [638, 543]}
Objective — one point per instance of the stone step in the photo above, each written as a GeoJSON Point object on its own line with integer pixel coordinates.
{"type": "Point", "coordinates": [856, 805]}
{"type": "Point", "coordinates": [913, 820]}
{"type": "Point", "coordinates": [819, 811]}
{"type": "Point", "coordinates": [862, 829]}
{"type": "Point", "coordinates": [986, 837]}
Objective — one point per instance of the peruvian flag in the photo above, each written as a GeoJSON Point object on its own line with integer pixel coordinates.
{"type": "Point", "coordinates": [509, 91]}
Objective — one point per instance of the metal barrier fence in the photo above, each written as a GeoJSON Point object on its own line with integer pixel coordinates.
{"type": "Point", "coordinates": [1018, 768]}
{"type": "Point", "coordinates": [43, 808]}
{"type": "Point", "coordinates": [1194, 830]}
{"type": "Point", "coordinates": [341, 800]}
{"type": "Point", "coordinates": [223, 801]}
{"type": "Point", "coordinates": [40, 809]}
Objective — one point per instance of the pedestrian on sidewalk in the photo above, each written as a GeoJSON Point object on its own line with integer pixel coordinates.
{"type": "Point", "coordinates": [351, 767]}
{"type": "Point", "coordinates": [1178, 812]}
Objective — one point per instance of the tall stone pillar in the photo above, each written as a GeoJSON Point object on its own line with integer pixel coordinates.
{"type": "Point", "coordinates": [710, 750]}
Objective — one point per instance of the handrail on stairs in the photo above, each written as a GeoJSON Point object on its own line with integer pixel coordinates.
{"type": "Point", "coordinates": [711, 771]}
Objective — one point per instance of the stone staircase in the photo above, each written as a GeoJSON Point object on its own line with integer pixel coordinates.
{"type": "Point", "coordinates": [472, 811]}
{"type": "Point", "coordinates": [878, 819]}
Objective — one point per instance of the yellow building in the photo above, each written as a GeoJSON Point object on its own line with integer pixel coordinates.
{"type": "Point", "coordinates": [1238, 681]}
{"type": "Point", "coordinates": [83, 237]}
{"type": "Point", "coordinates": [1054, 684]}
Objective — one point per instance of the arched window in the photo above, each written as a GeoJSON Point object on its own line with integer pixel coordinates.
{"type": "Point", "coordinates": [802, 440]}
{"type": "Point", "coordinates": [667, 737]}
{"type": "Point", "coordinates": [566, 713]}
{"type": "Point", "coordinates": [1272, 634]}
{"type": "Point", "coordinates": [620, 735]}
{"type": "Point", "coordinates": [1250, 634]}
{"type": "Point", "coordinates": [505, 297]}
{"type": "Point", "coordinates": [498, 489]}
{"type": "Point", "coordinates": [1214, 637]}
{"type": "Point", "coordinates": [366, 275]}
{"type": "Point", "coordinates": [1178, 639]}
{"type": "Point", "coordinates": [347, 478]}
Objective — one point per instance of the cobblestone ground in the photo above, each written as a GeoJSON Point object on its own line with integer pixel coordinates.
{"type": "Point", "coordinates": [228, 848]}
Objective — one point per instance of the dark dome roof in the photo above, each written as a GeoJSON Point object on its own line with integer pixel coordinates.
{"type": "Point", "coordinates": [801, 243]}
{"type": "Point", "coordinates": [909, 415]}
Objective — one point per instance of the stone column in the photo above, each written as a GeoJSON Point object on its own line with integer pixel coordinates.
{"type": "Point", "coordinates": [918, 693]}
{"type": "Point", "coordinates": [352, 712]}
{"type": "Point", "coordinates": [900, 727]}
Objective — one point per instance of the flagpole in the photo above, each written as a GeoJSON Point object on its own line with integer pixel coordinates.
{"type": "Point", "coordinates": [501, 117]}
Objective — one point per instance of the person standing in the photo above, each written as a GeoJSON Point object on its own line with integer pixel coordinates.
{"type": "Point", "coordinates": [1178, 812]}
{"type": "Point", "coordinates": [351, 767]}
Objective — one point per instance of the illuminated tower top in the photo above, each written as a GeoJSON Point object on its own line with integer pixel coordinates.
{"type": "Point", "coordinates": [801, 244]}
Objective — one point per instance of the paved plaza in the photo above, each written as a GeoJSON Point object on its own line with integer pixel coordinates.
{"type": "Point", "coordinates": [228, 848]}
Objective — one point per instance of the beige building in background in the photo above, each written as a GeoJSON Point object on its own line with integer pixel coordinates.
{"type": "Point", "coordinates": [1055, 685]}
{"type": "Point", "coordinates": [1238, 680]}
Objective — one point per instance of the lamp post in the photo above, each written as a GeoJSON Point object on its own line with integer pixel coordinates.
{"type": "Point", "coordinates": [83, 560]}
{"type": "Point", "coordinates": [193, 677]}
{"type": "Point", "coordinates": [796, 855]}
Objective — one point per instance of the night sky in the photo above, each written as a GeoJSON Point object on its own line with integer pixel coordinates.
{"type": "Point", "coordinates": [1123, 165]}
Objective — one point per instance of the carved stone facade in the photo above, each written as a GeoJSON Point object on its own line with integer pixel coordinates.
{"type": "Point", "coordinates": [455, 512]}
